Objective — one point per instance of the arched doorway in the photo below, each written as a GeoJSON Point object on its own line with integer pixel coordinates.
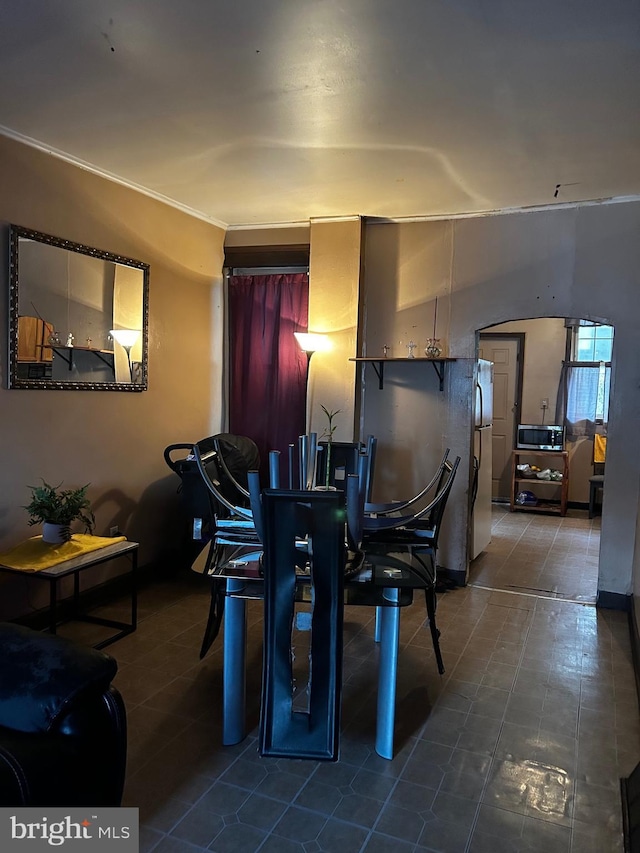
{"type": "Point", "coordinates": [539, 551]}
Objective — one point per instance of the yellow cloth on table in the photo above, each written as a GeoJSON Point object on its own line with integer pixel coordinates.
{"type": "Point", "coordinates": [599, 447]}
{"type": "Point", "coordinates": [34, 555]}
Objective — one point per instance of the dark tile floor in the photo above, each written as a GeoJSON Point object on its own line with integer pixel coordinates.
{"type": "Point", "coordinates": [541, 554]}
{"type": "Point", "coordinates": [518, 747]}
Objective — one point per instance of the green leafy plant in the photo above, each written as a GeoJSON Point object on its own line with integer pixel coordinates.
{"type": "Point", "coordinates": [60, 506]}
{"type": "Point", "coordinates": [328, 435]}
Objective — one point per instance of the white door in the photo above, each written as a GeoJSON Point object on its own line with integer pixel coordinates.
{"type": "Point", "coordinates": [504, 353]}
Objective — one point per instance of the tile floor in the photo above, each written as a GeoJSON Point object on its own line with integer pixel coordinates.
{"type": "Point", "coordinates": [541, 554]}
{"type": "Point", "coordinates": [518, 747]}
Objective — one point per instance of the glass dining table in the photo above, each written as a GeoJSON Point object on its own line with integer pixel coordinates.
{"type": "Point", "coordinates": [381, 578]}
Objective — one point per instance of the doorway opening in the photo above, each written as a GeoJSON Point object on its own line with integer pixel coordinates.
{"type": "Point", "coordinates": [550, 554]}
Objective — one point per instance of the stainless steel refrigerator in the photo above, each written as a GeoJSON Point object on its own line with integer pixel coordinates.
{"type": "Point", "coordinates": [482, 453]}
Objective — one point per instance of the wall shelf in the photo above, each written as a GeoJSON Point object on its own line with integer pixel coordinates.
{"type": "Point", "coordinates": [378, 364]}
{"type": "Point", "coordinates": [66, 353]}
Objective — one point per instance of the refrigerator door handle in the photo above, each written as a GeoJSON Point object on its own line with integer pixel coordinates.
{"type": "Point", "coordinates": [480, 404]}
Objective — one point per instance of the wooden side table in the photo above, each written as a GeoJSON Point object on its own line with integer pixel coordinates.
{"type": "Point", "coordinates": [74, 567]}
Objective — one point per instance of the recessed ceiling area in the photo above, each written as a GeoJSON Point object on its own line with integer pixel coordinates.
{"type": "Point", "coordinates": [274, 111]}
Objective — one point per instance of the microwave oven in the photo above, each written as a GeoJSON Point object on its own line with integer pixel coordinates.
{"type": "Point", "coordinates": [540, 437]}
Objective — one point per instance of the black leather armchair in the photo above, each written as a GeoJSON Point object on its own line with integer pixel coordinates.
{"type": "Point", "coordinates": [63, 735]}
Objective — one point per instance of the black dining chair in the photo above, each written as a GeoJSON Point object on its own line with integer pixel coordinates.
{"type": "Point", "coordinates": [392, 507]}
{"type": "Point", "coordinates": [419, 533]}
{"type": "Point", "coordinates": [347, 457]}
{"type": "Point", "coordinates": [232, 533]}
{"type": "Point", "coordinates": [236, 533]}
{"type": "Point", "coordinates": [226, 458]}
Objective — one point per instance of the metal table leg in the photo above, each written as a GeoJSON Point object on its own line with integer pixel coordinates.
{"type": "Point", "coordinates": [234, 676]}
{"type": "Point", "coordinates": [389, 622]}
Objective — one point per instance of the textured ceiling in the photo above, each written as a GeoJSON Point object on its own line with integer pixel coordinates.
{"type": "Point", "coordinates": [261, 111]}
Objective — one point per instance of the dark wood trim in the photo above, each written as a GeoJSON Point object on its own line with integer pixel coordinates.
{"type": "Point", "coordinates": [266, 256]}
{"type": "Point", "coordinates": [519, 338]}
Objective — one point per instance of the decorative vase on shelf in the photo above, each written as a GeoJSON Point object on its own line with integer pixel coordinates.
{"type": "Point", "coordinates": [55, 534]}
{"type": "Point", "coordinates": [433, 348]}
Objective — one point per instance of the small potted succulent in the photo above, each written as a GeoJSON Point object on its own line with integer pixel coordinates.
{"type": "Point", "coordinates": [57, 508]}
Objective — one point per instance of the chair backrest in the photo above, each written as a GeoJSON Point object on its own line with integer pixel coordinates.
{"type": "Point", "coordinates": [355, 512]}
{"type": "Point", "coordinates": [443, 489]}
{"type": "Point", "coordinates": [343, 460]}
{"type": "Point", "coordinates": [235, 456]}
{"type": "Point", "coordinates": [371, 447]}
{"type": "Point", "coordinates": [308, 466]}
{"type": "Point", "coordinates": [289, 515]}
{"type": "Point", "coordinates": [435, 516]}
{"type": "Point", "coordinates": [222, 503]}
{"type": "Point", "coordinates": [394, 507]}
{"type": "Point", "coordinates": [429, 516]}
{"type": "Point", "coordinates": [347, 457]}
{"type": "Point", "coordinates": [226, 459]}
{"type": "Point", "coordinates": [255, 492]}
{"type": "Point", "coordinates": [195, 497]}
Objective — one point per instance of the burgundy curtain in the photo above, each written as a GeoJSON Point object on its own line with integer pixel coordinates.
{"type": "Point", "coordinates": [268, 372]}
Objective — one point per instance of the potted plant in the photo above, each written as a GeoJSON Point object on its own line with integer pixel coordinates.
{"type": "Point", "coordinates": [57, 508]}
{"type": "Point", "coordinates": [328, 435]}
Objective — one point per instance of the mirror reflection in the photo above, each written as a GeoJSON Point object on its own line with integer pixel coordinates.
{"type": "Point", "coordinates": [78, 316]}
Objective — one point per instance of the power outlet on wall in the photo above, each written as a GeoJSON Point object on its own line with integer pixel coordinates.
{"type": "Point", "coordinates": [114, 531]}
{"type": "Point", "coordinates": [544, 403]}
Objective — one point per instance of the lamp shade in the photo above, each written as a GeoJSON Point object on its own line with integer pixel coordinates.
{"type": "Point", "coordinates": [125, 337]}
{"type": "Point", "coordinates": [312, 341]}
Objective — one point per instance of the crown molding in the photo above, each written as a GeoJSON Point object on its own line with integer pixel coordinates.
{"type": "Point", "coordinates": [101, 173]}
{"type": "Point", "coordinates": [322, 219]}
{"type": "Point", "coordinates": [502, 211]}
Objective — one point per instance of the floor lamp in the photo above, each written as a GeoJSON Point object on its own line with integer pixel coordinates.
{"type": "Point", "coordinates": [126, 338]}
{"type": "Point", "coordinates": [309, 342]}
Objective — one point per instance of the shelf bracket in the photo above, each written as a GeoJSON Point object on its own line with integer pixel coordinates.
{"type": "Point", "coordinates": [438, 366]}
{"type": "Point", "coordinates": [379, 369]}
{"type": "Point", "coordinates": [68, 359]}
{"type": "Point", "coordinates": [109, 364]}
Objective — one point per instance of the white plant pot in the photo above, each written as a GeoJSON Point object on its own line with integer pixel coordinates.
{"type": "Point", "coordinates": [55, 534]}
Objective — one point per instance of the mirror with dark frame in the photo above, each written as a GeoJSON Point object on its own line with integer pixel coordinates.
{"type": "Point", "coordinates": [78, 316]}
